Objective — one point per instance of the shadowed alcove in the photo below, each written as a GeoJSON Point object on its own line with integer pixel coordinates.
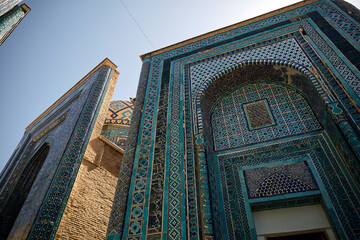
{"type": "Point", "coordinates": [10, 210]}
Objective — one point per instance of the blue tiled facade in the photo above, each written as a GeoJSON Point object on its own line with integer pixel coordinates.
{"type": "Point", "coordinates": [265, 113]}
{"type": "Point", "coordinates": [65, 128]}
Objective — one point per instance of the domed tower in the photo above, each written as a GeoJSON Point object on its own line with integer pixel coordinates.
{"type": "Point", "coordinates": [117, 122]}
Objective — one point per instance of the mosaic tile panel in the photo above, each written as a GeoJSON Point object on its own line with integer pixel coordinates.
{"type": "Point", "coordinates": [156, 202]}
{"type": "Point", "coordinates": [334, 59]}
{"type": "Point", "coordinates": [176, 167]}
{"type": "Point", "coordinates": [278, 184]}
{"type": "Point", "coordinates": [117, 216]}
{"type": "Point", "coordinates": [119, 112]}
{"type": "Point", "coordinates": [191, 179]}
{"type": "Point", "coordinates": [116, 134]}
{"type": "Point", "coordinates": [316, 61]}
{"type": "Point", "coordinates": [143, 164]}
{"type": "Point", "coordinates": [279, 180]}
{"type": "Point", "coordinates": [291, 112]}
{"type": "Point", "coordinates": [258, 114]}
{"type": "Point", "coordinates": [307, 50]}
{"type": "Point", "coordinates": [287, 49]}
{"type": "Point", "coordinates": [349, 26]}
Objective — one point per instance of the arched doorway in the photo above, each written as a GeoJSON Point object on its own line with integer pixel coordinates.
{"type": "Point", "coordinates": [11, 209]}
{"type": "Point", "coordinates": [265, 113]}
{"type": "Point", "coordinates": [268, 148]}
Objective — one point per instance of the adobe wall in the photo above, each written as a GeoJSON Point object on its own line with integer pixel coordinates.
{"type": "Point", "coordinates": [88, 208]}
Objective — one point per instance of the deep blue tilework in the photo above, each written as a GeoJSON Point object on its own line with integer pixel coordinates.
{"type": "Point", "coordinates": [279, 180]}
{"type": "Point", "coordinates": [50, 213]}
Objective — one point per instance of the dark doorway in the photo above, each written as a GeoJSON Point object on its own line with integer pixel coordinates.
{"type": "Point", "coordinates": [303, 236]}
{"type": "Point", "coordinates": [11, 209]}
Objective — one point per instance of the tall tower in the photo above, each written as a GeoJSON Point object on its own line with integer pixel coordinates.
{"type": "Point", "coordinates": [61, 150]}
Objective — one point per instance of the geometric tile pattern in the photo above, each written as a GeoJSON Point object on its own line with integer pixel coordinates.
{"type": "Point", "coordinates": [117, 122]}
{"type": "Point", "coordinates": [117, 218]}
{"type": "Point", "coordinates": [279, 184]}
{"type": "Point", "coordinates": [119, 112]}
{"type": "Point", "coordinates": [335, 60]}
{"type": "Point", "coordinates": [144, 159]}
{"type": "Point", "coordinates": [258, 114]}
{"type": "Point", "coordinates": [290, 111]}
{"type": "Point", "coordinates": [191, 169]}
{"type": "Point", "coordinates": [347, 25]}
{"type": "Point", "coordinates": [287, 49]}
{"type": "Point", "coordinates": [279, 180]}
{"type": "Point", "coordinates": [175, 77]}
{"type": "Point", "coordinates": [205, 75]}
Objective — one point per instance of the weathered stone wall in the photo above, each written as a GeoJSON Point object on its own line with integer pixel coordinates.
{"type": "Point", "coordinates": [88, 209]}
{"type": "Point", "coordinates": [87, 212]}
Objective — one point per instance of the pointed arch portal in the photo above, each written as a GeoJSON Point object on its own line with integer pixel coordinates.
{"type": "Point", "coordinates": [266, 134]}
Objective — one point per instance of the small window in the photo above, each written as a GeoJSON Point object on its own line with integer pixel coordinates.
{"type": "Point", "coordinates": [258, 114]}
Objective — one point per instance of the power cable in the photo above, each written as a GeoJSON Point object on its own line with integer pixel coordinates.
{"type": "Point", "coordinates": [133, 18]}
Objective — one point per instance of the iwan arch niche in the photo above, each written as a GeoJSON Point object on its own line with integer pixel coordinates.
{"type": "Point", "coordinates": [15, 201]}
{"type": "Point", "coordinates": [266, 132]}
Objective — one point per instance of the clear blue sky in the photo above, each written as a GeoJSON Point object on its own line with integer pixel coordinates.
{"type": "Point", "coordinates": [59, 42]}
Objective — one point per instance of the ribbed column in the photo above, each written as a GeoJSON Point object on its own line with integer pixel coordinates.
{"type": "Point", "coordinates": [117, 215]}
{"type": "Point", "coordinates": [204, 196]}
{"type": "Point", "coordinates": [339, 118]}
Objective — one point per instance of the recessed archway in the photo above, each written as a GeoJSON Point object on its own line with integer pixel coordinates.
{"type": "Point", "coordinates": [11, 209]}
{"type": "Point", "coordinates": [278, 105]}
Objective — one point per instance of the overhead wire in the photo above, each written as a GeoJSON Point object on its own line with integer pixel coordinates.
{"type": "Point", "coordinates": [133, 18]}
